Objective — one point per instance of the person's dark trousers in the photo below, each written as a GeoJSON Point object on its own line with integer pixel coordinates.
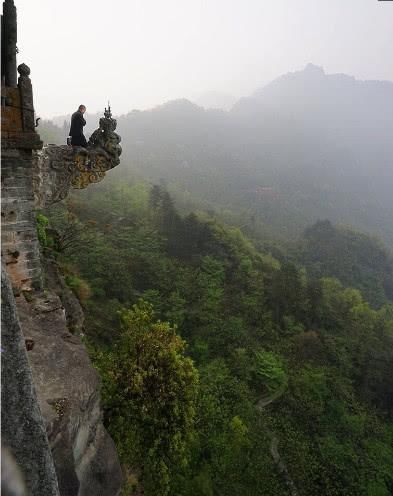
{"type": "Point", "coordinates": [79, 141]}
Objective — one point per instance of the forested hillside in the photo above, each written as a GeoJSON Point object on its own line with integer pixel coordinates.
{"type": "Point", "coordinates": [245, 345]}
{"type": "Point", "coordinates": [227, 370]}
{"type": "Point", "coordinates": [354, 258]}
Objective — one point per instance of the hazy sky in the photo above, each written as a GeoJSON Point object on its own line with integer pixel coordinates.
{"type": "Point", "coordinates": [140, 53]}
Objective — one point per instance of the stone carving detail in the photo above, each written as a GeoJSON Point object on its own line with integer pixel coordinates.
{"type": "Point", "coordinates": [26, 96]}
{"type": "Point", "coordinates": [58, 168]}
{"type": "Point", "coordinates": [106, 138]}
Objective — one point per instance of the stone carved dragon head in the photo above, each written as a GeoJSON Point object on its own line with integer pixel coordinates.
{"type": "Point", "coordinates": [105, 137]}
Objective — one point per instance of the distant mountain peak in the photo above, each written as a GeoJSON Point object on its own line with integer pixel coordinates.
{"type": "Point", "coordinates": [311, 74]}
{"type": "Point", "coordinates": [313, 84]}
{"type": "Point", "coordinates": [314, 69]}
{"type": "Point", "coordinates": [180, 104]}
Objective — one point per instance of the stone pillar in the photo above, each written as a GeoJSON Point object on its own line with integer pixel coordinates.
{"type": "Point", "coordinates": [8, 47]}
{"type": "Point", "coordinates": [19, 243]}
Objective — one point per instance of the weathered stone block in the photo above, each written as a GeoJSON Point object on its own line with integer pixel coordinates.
{"type": "Point", "coordinates": [22, 154]}
{"type": "Point", "coordinates": [12, 153]}
{"type": "Point", "coordinates": [27, 236]}
{"type": "Point", "coordinates": [15, 171]}
{"type": "Point", "coordinates": [11, 208]}
{"type": "Point", "coordinates": [11, 119]}
{"type": "Point", "coordinates": [15, 160]}
{"type": "Point", "coordinates": [18, 226]}
{"type": "Point", "coordinates": [31, 244]}
{"type": "Point", "coordinates": [17, 140]}
{"type": "Point", "coordinates": [8, 216]}
{"type": "Point", "coordinates": [7, 238]}
{"type": "Point", "coordinates": [15, 193]}
{"type": "Point", "coordinates": [22, 181]}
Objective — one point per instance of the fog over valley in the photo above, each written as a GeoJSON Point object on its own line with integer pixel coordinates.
{"type": "Point", "coordinates": [306, 146]}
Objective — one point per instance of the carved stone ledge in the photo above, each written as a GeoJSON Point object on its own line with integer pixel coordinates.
{"type": "Point", "coordinates": [59, 168]}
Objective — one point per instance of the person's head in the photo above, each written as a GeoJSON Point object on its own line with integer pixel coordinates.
{"type": "Point", "coordinates": [82, 109]}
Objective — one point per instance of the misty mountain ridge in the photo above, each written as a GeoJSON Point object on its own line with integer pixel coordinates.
{"type": "Point", "coordinates": [216, 100]}
{"type": "Point", "coordinates": [322, 143]}
{"type": "Point", "coordinates": [365, 108]}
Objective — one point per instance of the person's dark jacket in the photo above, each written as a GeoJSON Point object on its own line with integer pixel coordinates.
{"type": "Point", "coordinates": [76, 129]}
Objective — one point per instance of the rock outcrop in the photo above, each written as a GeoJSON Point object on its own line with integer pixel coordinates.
{"type": "Point", "coordinates": [68, 393]}
{"type": "Point", "coordinates": [55, 283]}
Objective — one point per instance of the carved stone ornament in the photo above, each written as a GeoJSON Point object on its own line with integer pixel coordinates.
{"type": "Point", "coordinates": [58, 168]}
{"type": "Point", "coordinates": [24, 70]}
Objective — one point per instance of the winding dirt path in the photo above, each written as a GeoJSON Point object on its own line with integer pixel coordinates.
{"type": "Point", "coordinates": [280, 464]}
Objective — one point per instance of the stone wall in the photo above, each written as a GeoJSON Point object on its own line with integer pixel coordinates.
{"type": "Point", "coordinates": [20, 248]}
{"type": "Point", "coordinates": [19, 237]}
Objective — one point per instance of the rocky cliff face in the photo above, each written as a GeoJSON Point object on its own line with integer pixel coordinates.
{"type": "Point", "coordinates": [67, 389]}
{"type": "Point", "coordinates": [51, 392]}
{"type": "Point", "coordinates": [23, 429]}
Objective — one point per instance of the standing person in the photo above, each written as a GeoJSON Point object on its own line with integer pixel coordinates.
{"type": "Point", "coordinates": [76, 129]}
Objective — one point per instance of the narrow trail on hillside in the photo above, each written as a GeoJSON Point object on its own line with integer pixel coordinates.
{"type": "Point", "coordinates": [279, 462]}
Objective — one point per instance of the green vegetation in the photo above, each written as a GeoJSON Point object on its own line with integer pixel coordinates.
{"type": "Point", "coordinates": [78, 286]}
{"type": "Point", "coordinates": [149, 391]}
{"type": "Point", "coordinates": [42, 223]}
{"type": "Point", "coordinates": [354, 258]}
{"type": "Point", "coordinates": [258, 327]}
